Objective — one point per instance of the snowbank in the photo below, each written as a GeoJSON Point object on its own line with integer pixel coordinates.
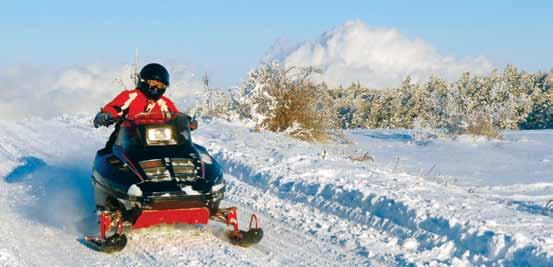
{"type": "Point", "coordinates": [433, 221]}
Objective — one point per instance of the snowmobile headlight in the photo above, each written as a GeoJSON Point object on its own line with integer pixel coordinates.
{"type": "Point", "coordinates": [160, 135]}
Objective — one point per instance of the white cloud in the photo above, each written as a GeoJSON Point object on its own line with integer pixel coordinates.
{"type": "Point", "coordinates": [33, 91]}
{"type": "Point", "coordinates": [376, 57]}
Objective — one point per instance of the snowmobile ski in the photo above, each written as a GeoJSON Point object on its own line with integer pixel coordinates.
{"type": "Point", "coordinates": [246, 238]}
{"type": "Point", "coordinates": [114, 243]}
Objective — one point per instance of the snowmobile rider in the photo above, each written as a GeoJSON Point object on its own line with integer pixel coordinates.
{"type": "Point", "coordinates": [153, 80]}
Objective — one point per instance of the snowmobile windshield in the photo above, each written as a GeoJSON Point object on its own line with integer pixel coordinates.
{"type": "Point", "coordinates": [148, 132]}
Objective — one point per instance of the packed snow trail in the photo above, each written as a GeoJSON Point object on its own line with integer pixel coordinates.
{"type": "Point", "coordinates": [314, 211]}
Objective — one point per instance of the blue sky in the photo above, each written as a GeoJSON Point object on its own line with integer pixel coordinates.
{"type": "Point", "coordinates": [227, 38]}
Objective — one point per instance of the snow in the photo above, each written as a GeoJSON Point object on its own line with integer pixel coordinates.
{"type": "Point", "coordinates": [520, 158]}
{"type": "Point", "coordinates": [134, 190]}
{"type": "Point", "coordinates": [190, 191]}
{"type": "Point", "coordinates": [436, 202]}
{"type": "Point", "coordinates": [32, 90]}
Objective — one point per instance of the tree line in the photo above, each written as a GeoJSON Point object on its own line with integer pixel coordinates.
{"type": "Point", "coordinates": [280, 98]}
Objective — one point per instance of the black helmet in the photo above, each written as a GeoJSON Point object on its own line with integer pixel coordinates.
{"type": "Point", "coordinates": [153, 71]}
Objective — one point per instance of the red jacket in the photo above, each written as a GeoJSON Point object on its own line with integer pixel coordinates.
{"type": "Point", "coordinates": [132, 102]}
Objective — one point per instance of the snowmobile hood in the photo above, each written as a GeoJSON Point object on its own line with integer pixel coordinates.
{"type": "Point", "coordinates": [158, 162]}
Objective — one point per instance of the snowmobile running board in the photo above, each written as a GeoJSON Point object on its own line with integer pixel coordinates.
{"type": "Point", "coordinates": [113, 223]}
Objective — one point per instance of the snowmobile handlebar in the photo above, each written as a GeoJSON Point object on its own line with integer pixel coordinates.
{"type": "Point", "coordinates": [156, 118]}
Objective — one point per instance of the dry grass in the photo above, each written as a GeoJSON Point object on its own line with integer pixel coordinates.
{"type": "Point", "coordinates": [364, 157]}
{"type": "Point", "coordinates": [485, 128]}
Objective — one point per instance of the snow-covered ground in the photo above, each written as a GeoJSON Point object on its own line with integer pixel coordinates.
{"type": "Point", "coordinates": [416, 200]}
{"type": "Point", "coordinates": [520, 157]}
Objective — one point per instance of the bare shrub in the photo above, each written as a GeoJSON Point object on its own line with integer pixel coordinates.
{"type": "Point", "coordinates": [285, 100]}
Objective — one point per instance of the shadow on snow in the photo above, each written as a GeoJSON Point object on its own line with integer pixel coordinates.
{"type": "Point", "coordinates": [58, 196]}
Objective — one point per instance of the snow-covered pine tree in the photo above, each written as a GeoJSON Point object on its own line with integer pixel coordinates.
{"type": "Point", "coordinates": [216, 103]}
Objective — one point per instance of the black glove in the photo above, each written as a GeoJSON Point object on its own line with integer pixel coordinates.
{"type": "Point", "coordinates": [103, 119]}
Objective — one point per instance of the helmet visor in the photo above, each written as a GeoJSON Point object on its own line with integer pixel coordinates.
{"type": "Point", "coordinates": [155, 84]}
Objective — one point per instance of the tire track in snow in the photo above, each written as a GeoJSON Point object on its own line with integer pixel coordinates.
{"type": "Point", "coordinates": [435, 237]}
{"type": "Point", "coordinates": [298, 235]}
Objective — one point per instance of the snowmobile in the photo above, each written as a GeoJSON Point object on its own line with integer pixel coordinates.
{"type": "Point", "coordinates": [154, 174]}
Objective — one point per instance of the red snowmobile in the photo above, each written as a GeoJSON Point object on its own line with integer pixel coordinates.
{"type": "Point", "coordinates": [154, 174]}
